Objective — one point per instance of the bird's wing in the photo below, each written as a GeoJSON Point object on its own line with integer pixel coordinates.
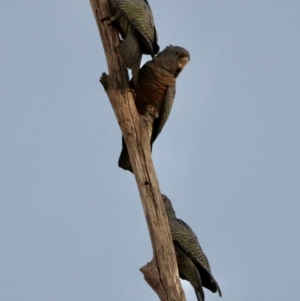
{"type": "Point", "coordinates": [184, 237]}
{"type": "Point", "coordinates": [139, 14]}
{"type": "Point", "coordinates": [164, 112]}
{"type": "Point", "coordinates": [188, 271]}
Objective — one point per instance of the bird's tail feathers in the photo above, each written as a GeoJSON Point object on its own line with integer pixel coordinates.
{"type": "Point", "coordinates": [199, 295]}
{"type": "Point", "coordinates": [124, 160]}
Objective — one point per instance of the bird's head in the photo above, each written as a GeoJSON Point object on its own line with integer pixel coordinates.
{"type": "Point", "coordinates": [168, 206]}
{"type": "Point", "coordinates": [173, 59]}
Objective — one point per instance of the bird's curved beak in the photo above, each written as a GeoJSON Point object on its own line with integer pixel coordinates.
{"type": "Point", "coordinates": [183, 61]}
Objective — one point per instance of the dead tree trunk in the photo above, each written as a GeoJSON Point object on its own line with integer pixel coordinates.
{"type": "Point", "coordinates": [161, 273]}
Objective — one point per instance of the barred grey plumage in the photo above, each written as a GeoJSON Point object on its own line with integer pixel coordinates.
{"type": "Point", "coordinates": [192, 263]}
{"type": "Point", "coordinates": [136, 26]}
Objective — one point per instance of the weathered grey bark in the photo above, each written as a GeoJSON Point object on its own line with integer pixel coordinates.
{"type": "Point", "coordinates": [161, 273]}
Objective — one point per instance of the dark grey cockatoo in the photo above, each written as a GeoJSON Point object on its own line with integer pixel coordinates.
{"type": "Point", "coordinates": [156, 86]}
{"type": "Point", "coordinates": [192, 263]}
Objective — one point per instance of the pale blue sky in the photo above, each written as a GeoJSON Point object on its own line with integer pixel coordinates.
{"type": "Point", "coordinates": [71, 222]}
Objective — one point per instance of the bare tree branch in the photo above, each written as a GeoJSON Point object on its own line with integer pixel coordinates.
{"type": "Point", "coordinates": [161, 273]}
